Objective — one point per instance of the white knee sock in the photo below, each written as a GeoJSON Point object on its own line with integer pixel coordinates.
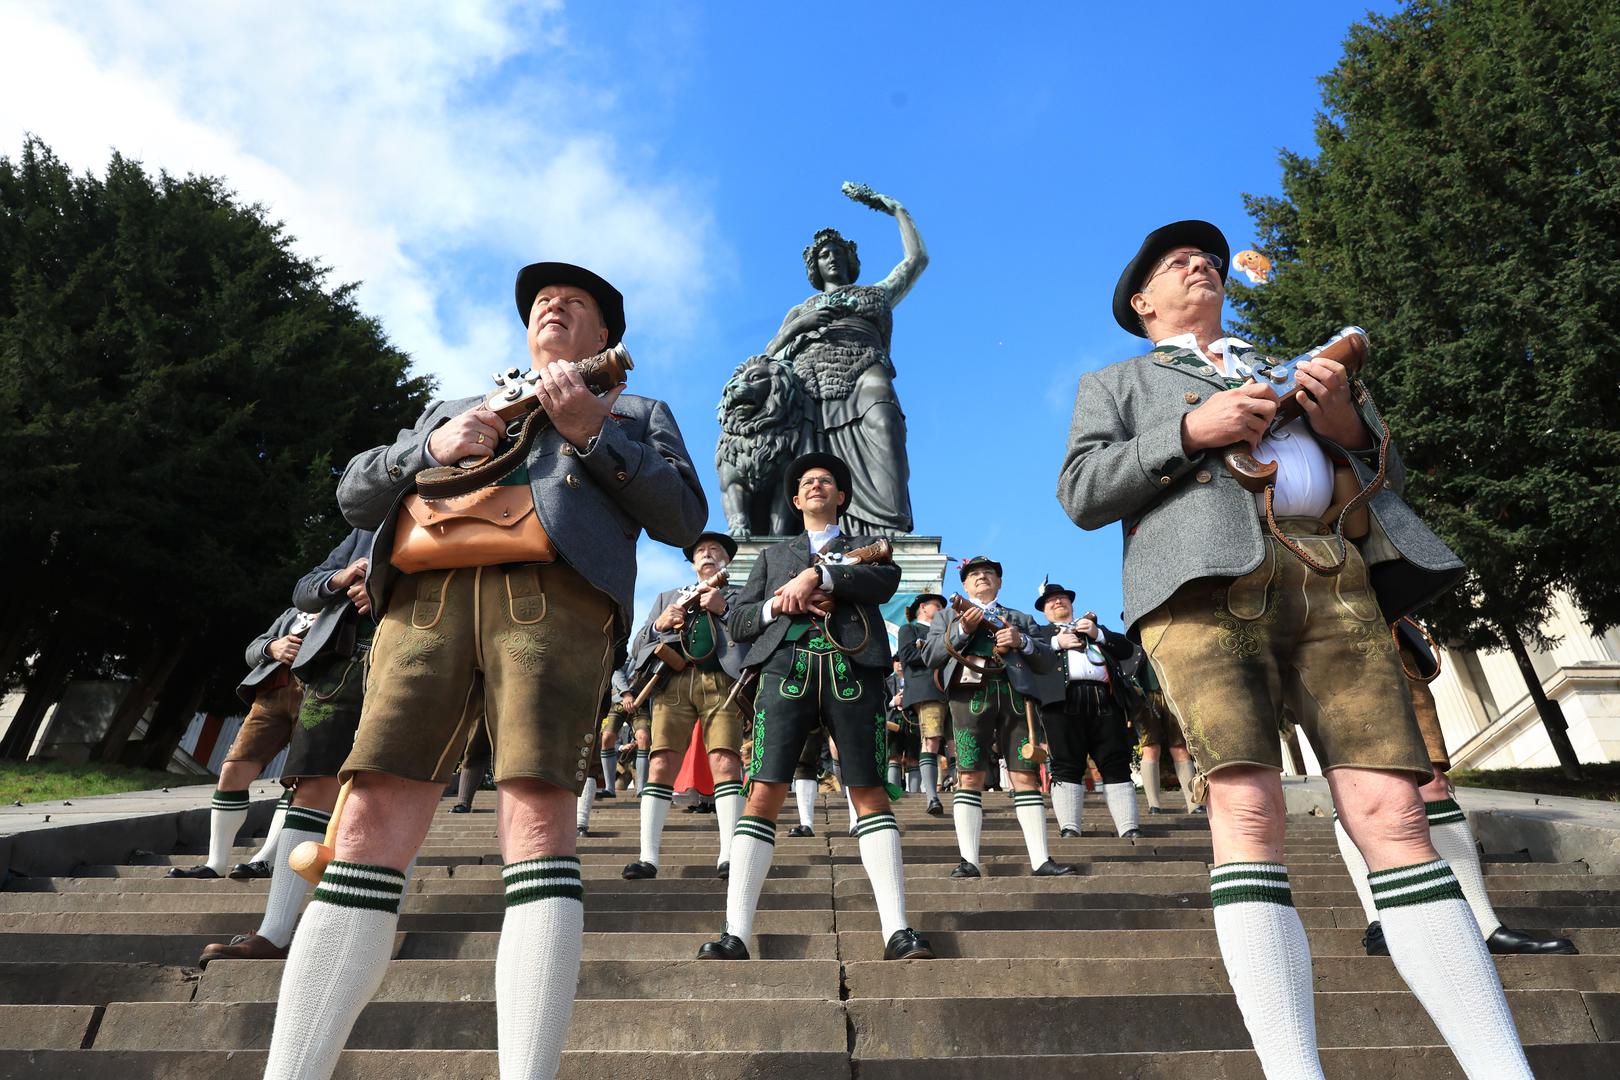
{"type": "Point", "coordinates": [1451, 837]}
{"type": "Point", "coordinates": [928, 766]}
{"type": "Point", "coordinates": [804, 793]}
{"type": "Point", "coordinates": [1068, 803]}
{"type": "Point", "coordinates": [641, 769]}
{"type": "Point", "coordinates": [655, 800]}
{"type": "Point", "coordinates": [896, 773]}
{"type": "Point", "coordinates": [1150, 783]}
{"type": "Point", "coordinates": [851, 804]}
{"type": "Point", "coordinates": [1122, 806]}
{"type": "Point", "coordinates": [913, 780]}
{"type": "Point", "coordinates": [337, 962]}
{"type": "Point", "coordinates": [1006, 777]}
{"type": "Point", "coordinates": [287, 887]}
{"type": "Point", "coordinates": [582, 805]}
{"type": "Point", "coordinates": [1184, 776]}
{"type": "Point", "coordinates": [1356, 867]}
{"type": "Point", "coordinates": [267, 850]}
{"type": "Point", "coordinates": [1435, 943]}
{"type": "Point", "coordinates": [1030, 809]}
{"type": "Point", "coordinates": [880, 855]}
{"type": "Point", "coordinates": [1268, 962]}
{"type": "Point", "coordinates": [967, 809]}
{"type": "Point", "coordinates": [230, 809]}
{"type": "Point", "coordinates": [728, 807]}
{"type": "Point", "coordinates": [610, 770]}
{"type": "Point", "coordinates": [751, 851]}
{"type": "Point", "coordinates": [537, 964]}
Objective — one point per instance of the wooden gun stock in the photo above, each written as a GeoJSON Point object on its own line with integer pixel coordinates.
{"type": "Point", "coordinates": [1349, 349]}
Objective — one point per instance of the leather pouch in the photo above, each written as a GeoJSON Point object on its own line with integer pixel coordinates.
{"type": "Point", "coordinates": [487, 527]}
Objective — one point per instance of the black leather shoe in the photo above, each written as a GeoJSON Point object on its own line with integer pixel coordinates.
{"type": "Point", "coordinates": [965, 869]}
{"type": "Point", "coordinates": [200, 872]}
{"type": "Point", "coordinates": [461, 808]}
{"type": "Point", "coordinates": [1157, 810]}
{"type": "Point", "coordinates": [935, 808]}
{"type": "Point", "coordinates": [248, 871]}
{"type": "Point", "coordinates": [801, 830]}
{"type": "Point", "coordinates": [1199, 809]}
{"type": "Point", "coordinates": [1051, 868]}
{"type": "Point", "coordinates": [723, 871]}
{"type": "Point", "coordinates": [1131, 834]}
{"type": "Point", "coordinates": [582, 831]}
{"type": "Point", "coordinates": [640, 871]}
{"type": "Point", "coordinates": [607, 793]}
{"type": "Point", "coordinates": [1506, 942]}
{"type": "Point", "coordinates": [727, 948]}
{"type": "Point", "coordinates": [852, 832]}
{"type": "Point", "coordinates": [1069, 834]}
{"type": "Point", "coordinates": [1373, 940]}
{"type": "Point", "coordinates": [907, 944]}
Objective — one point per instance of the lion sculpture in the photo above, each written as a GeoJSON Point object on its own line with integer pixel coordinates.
{"type": "Point", "coordinates": [764, 425]}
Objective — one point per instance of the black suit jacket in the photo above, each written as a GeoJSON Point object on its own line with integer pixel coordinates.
{"type": "Point", "coordinates": [331, 612]}
{"type": "Point", "coordinates": [857, 592]}
{"type": "Point", "coordinates": [920, 685]}
{"type": "Point", "coordinates": [1114, 648]}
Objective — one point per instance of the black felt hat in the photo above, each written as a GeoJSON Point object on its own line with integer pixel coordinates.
{"type": "Point", "coordinates": [1190, 233]}
{"type": "Point", "coordinates": [718, 537]}
{"type": "Point", "coordinates": [536, 276]}
{"type": "Point", "coordinates": [976, 562]}
{"type": "Point", "coordinates": [805, 462]}
{"type": "Point", "coordinates": [919, 601]}
{"type": "Point", "coordinates": [1050, 589]}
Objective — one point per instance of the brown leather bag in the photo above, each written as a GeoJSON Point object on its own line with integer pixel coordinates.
{"type": "Point", "coordinates": [487, 527]}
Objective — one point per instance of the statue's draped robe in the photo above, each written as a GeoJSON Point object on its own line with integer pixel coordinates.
{"type": "Point", "coordinates": [845, 367]}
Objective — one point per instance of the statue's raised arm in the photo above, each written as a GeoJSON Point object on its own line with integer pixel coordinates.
{"type": "Point", "coordinates": [910, 267]}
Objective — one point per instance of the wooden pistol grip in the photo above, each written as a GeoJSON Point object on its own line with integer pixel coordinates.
{"type": "Point", "coordinates": [1250, 474]}
{"type": "Point", "coordinates": [309, 859]}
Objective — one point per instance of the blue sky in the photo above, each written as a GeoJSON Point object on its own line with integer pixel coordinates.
{"type": "Point", "coordinates": [688, 152]}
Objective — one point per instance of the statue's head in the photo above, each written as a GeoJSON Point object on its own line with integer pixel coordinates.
{"type": "Point", "coordinates": [831, 259]}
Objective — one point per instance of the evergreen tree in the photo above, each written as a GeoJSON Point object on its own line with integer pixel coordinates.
{"type": "Point", "coordinates": [179, 389]}
{"type": "Point", "coordinates": [1464, 207]}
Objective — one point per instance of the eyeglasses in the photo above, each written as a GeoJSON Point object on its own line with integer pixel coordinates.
{"type": "Point", "coordinates": [817, 481]}
{"type": "Point", "coordinates": [1183, 259]}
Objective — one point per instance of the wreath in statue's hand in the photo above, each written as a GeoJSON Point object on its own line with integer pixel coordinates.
{"type": "Point", "coordinates": [863, 194]}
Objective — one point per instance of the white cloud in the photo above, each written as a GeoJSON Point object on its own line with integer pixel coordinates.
{"type": "Point", "coordinates": [427, 149]}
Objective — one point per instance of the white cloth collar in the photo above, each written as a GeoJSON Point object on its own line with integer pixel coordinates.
{"type": "Point", "coordinates": [1219, 347]}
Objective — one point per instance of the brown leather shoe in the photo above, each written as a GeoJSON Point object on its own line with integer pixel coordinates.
{"type": "Point", "coordinates": [242, 947]}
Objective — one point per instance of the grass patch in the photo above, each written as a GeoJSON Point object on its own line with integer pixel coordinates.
{"type": "Point", "coordinates": [53, 781]}
{"type": "Point", "coordinates": [1602, 781]}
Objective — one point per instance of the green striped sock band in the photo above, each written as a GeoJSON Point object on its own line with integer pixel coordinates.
{"type": "Point", "coordinates": [286, 798]}
{"type": "Point", "coordinates": [867, 824]}
{"type": "Point", "coordinates": [305, 819]}
{"type": "Point", "coordinates": [658, 791]}
{"type": "Point", "coordinates": [549, 877]}
{"type": "Point", "coordinates": [1028, 798]}
{"type": "Point", "coordinates": [355, 885]}
{"type": "Point", "coordinates": [1444, 812]}
{"type": "Point", "coordinates": [1404, 886]}
{"type": "Point", "coordinates": [727, 787]}
{"type": "Point", "coordinates": [925, 756]}
{"type": "Point", "coordinates": [970, 798]}
{"type": "Point", "coordinates": [1250, 882]}
{"type": "Point", "coordinates": [231, 800]}
{"type": "Point", "coordinates": [757, 827]}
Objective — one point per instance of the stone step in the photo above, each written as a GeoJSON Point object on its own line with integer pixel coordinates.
{"type": "Point", "coordinates": [223, 924]}
{"type": "Point", "coordinates": [946, 1027]}
{"type": "Point", "coordinates": [438, 1064]}
{"type": "Point", "coordinates": [474, 980]}
{"type": "Point", "coordinates": [54, 983]}
{"type": "Point", "coordinates": [45, 1027]}
{"type": "Point", "coordinates": [739, 1025]}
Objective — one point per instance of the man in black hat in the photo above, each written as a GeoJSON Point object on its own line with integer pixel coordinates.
{"type": "Point", "coordinates": [817, 638]}
{"type": "Point", "coordinates": [921, 694]}
{"type": "Point", "coordinates": [700, 692]}
{"type": "Point", "coordinates": [990, 662]}
{"type": "Point", "coordinates": [509, 612]}
{"type": "Point", "coordinates": [1237, 626]}
{"type": "Point", "coordinates": [1083, 706]}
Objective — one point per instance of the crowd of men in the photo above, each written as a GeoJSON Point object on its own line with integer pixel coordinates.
{"type": "Point", "coordinates": [490, 630]}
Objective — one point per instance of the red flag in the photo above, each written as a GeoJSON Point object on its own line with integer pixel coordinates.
{"type": "Point", "coordinates": [695, 774]}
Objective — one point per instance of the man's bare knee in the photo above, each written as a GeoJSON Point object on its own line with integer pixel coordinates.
{"type": "Point", "coordinates": [663, 767]}
{"type": "Point", "coordinates": [535, 819]}
{"type": "Point", "coordinates": [237, 775]}
{"type": "Point", "coordinates": [725, 765]}
{"type": "Point", "coordinates": [385, 818]}
{"type": "Point", "coordinates": [1247, 814]}
{"type": "Point", "coordinates": [316, 792]}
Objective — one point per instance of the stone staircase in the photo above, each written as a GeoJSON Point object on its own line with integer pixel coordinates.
{"type": "Point", "coordinates": [1113, 973]}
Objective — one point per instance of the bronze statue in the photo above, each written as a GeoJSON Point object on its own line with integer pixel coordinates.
{"type": "Point", "coordinates": [837, 343]}
{"type": "Point", "coordinates": [765, 422]}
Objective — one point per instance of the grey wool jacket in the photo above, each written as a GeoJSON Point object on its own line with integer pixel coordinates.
{"type": "Point", "coordinates": [594, 506]}
{"type": "Point", "coordinates": [1188, 518]}
{"type": "Point", "coordinates": [648, 638]}
{"type": "Point", "coordinates": [330, 610]}
{"type": "Point", "coordinates": [1023, 672]}
{"type": "Point", "coordinates": [857, 592]}
{"type": "Point", "coordinates": [920, 685]}
{"type": "Point", "coordinates": [260, 666]}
